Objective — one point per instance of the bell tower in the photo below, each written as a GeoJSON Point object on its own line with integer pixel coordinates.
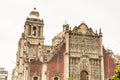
{"type": "Point", "coordinates": [33, 28]}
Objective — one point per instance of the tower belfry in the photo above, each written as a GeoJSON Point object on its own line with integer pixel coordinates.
{"type": "Point", "coordinates": [33, 28]}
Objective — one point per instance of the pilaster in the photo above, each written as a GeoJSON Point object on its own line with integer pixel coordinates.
{"type": "Point", "coordinates": [66, 57]}
{"type": "Point", "coordinates": [44, 69]}
{"type": "Point", "coordinates": [101, 56]}
{"type": "Point", "coordinates": [26, 72]}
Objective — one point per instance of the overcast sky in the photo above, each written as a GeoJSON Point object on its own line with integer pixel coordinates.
{"type": "Point", "coordinates": [104, 14]}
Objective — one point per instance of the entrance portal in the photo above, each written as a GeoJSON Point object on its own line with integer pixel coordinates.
{"type": "Point", "coordinates": [84, 75]}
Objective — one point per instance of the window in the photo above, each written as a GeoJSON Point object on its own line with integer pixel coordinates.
{"type": "Point", "coordinates": [29, 30]}
{"type": "Point", "coordinates": [34, 31]}
{"type": "Point", "coordinates": [34, 19]}
{"type": "Point", "coordinates": [34, 28]}
{"type": "Point", "coordinates": [39, 28]}
{"type": "Point", "coordinates": [55, 78]}
{"type": "Point", "coordinates": [31, 60]}
{"type": "Point", "coordinates": [48, 51]}
{"type": "Point", "coordinates": [35, 78]}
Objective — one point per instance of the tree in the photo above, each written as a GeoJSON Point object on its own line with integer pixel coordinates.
{"type": "Point", "coordinates": [116, 76]}
{"type": "Point", "coordinates": [70, 78]}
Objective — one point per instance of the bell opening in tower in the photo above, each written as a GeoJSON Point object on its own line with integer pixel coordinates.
{"type": "Point", "coordinates": [34, 31]}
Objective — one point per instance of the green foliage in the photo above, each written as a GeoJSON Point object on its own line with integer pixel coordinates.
{"type": "Point", "coordinates": [116, 76]}
{"type": "Point", "coordinates": [70, 78]}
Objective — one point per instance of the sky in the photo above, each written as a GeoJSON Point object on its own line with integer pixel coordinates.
{"type": "Point", "coordinates": [104, 14]}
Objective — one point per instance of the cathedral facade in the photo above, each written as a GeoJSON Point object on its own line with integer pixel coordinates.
{"type": "Point", "coordinates": [74, 54]}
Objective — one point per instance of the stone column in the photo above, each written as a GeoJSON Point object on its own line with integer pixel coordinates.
{"type": "Point", "coordinates": [44, 69]}
{"type": "Point", "coordinates": [66, 58]}
{"type": "Point", "coordinates": [26, 72]}
{"type": "Point", "coordinates": [101, 56]}
{"type": "Point", "coordinates": [41, 31]}
{"type": "Point", "coordinates": [26, 32]}
{"type": "Point", "coordinates": [102, 68]}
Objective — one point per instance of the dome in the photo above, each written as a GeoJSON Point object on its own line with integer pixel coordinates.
{"type": "Point", "coordinates": [34, 14]}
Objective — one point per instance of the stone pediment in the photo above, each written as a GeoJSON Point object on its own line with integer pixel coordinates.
{"type": "Point", "coordinates": [83, 29]}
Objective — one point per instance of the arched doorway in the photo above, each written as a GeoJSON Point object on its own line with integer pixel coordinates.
{"type": "Point", "coordinates": [84, 75]}
{"type": "Point", "coordinates": [35, 78]}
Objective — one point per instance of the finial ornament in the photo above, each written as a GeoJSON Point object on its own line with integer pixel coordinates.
{"type": "Point", "coordinates": [96, 31]}
{"type": "Point", "coordinates": [34, 14]}
{"type": "Point", "coordinates": [83, 21]}
{"type": "Point", "coordinates": [65, 21]}
{"type": "Point", "coordinates": [34, 8]}
{"type": "Point", "coordinates": [100, 32]}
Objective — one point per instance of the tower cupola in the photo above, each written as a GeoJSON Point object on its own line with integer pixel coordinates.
{"type": "Point", "coordinates": [34, 14]}
{"type": "Point", "coordinates": [33, 28]}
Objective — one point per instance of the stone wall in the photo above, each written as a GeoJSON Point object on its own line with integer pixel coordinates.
{"type": "Point", "coordinates": [56, 65]}
{"type": "Point", "coordinates": [110, 66]}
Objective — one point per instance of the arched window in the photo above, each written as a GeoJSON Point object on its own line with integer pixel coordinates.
{"type": "Point", "coordinates": [29, 30]}
{"type": "Point", "coordinates": [55, 78]}
{"type": "Point", "coordinates": [34, 31]}
{"type": "Point", "coordinates": [39, 29]}
{"type": "Point", "coordinates": [35, 78]}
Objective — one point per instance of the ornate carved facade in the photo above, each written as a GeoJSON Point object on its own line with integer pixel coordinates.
{"type": "Point", "coordinates": [76, 53]}
{"type": "Point", "coordinates": [85, 49]}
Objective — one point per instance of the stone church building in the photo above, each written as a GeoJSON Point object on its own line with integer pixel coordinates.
{"type": "Point", "coordinates": [76, 53]}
